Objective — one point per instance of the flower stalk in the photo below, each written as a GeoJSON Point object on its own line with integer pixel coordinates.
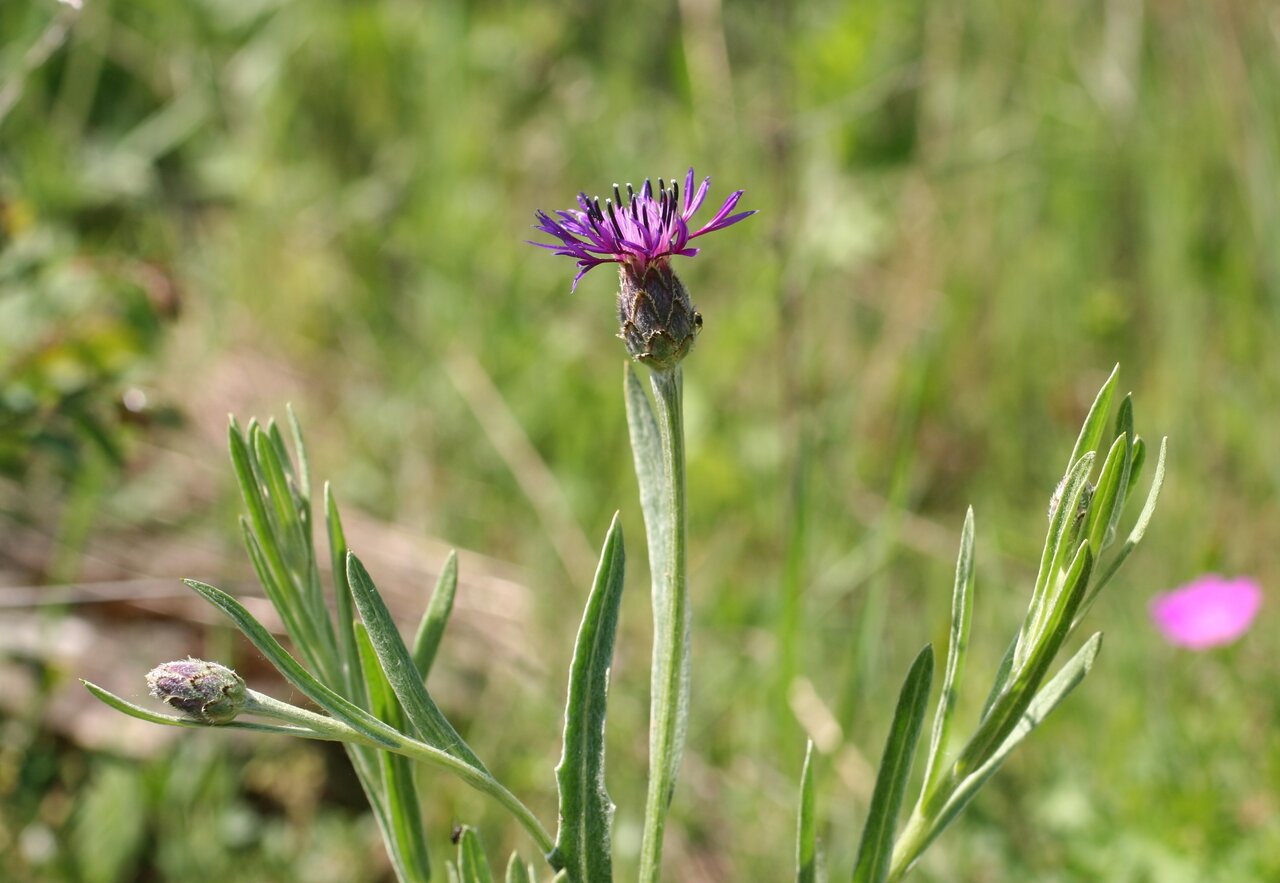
{"type": "Point", "coordinates": [670, 680]}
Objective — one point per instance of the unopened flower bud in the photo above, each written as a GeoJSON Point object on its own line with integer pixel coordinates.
{"type": "Point", "coordinates": [655, 318]}
{"type": "Point", "coordinates": [205, 691]}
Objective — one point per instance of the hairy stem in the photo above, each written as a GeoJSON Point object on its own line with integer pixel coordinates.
{"type": "Point", "coordinates": [260, 704]}
{"type": "Point", "coordinates": [670, 684]}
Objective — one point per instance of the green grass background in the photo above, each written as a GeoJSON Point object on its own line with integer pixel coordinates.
{"type": "Point", "coordinates": [968, 213]}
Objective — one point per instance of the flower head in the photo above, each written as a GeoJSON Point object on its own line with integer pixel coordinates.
{"type": "Point", "coordinates": [1208, 612]}
{"type": "Point", "coordinates": [206, 691]}
{"type": "Point", "coordinates": [641, 231]}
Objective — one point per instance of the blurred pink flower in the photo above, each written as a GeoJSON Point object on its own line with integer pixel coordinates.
{"type": "Point", "coordinates": [1207, 613]}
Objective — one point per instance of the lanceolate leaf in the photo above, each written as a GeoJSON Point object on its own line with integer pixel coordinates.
{"type": "Point", "coordinates": [583, 842]}
{"type": "Point", "coordinates": [518, 871]}
{"type": "Point", "coordinates": [400, 670]}
{"type": "Point", "coordinates": [473, 867]}
{"type": "Point", "coordinates": [961, 618]}
{"type": "Point", "coordinates": [646, 448]}
{"type": "Point", "coordinates": [1095, 423]}
{"type": "Point", "coordinates": [1144, 518]}
{"type": "Point", "coordinates": [1040, 707]}
{"type": "Point", "coordinates": [807, 825]}
{"type": "Point", "coordinates": [876, 849]}
{"type": "Point", "coordinates": [404, 810]}
{"type": "Point", "coordinates": [436, 617]}
{"type": "Point", "coordinates": [356, 718]}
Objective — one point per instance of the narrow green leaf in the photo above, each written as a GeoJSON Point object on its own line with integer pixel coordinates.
{"type": "Point", "coordinates": [583, 841]}
{"type": "Point", "coordinates": [304, 467]}
{"type": "Point", "coordinates": [807, 825]}
{"type": "Point", "coordinates": [404, 809]}
{"type": "Point", "coordinates": [1014, 699]}
{"type": "Point", "coordinates": [1107, 495]}
{"type": "Point", "coordinates": [353, 716]}
{"type": "Point", "coordinates": [1049, 698]}
{"type": "Point", "coordinates": [1003, 671]}
{"type": "Point", "coordinates": [402, 674]}
{"type": "Point", "coordinates": [876, 848]}
{"type": "Point", "coordinates": [518, 871]}
{"type": "Point", "coordinates": [1140, 526]}
{"type": "Point", "coordinates": [169, 720]}
{"type": "Point", "coordinates": [1095, 421]}
{"type": "Point", "coordinates": [1061, 524]}
{"type": "Point", "coordinates": [1139, 460]}
{"type": "Point", "coordinates": [958, 643]}
{"type": "Point", "coordinates": [281, 596]}
{"type": "Point", "coordinates": [345, 615]}
{"type": "Point", "coordinates": [646, 449]}
{"type": "Point", "coordinates": [473, 867]}
{"type": "Point", "coordinates": [436, 617]}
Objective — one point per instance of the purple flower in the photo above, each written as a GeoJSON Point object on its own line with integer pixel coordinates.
{"type": "Point", "coordinates": [1207, 613]}
{"type": "Point", "coordinates": [639, 232]}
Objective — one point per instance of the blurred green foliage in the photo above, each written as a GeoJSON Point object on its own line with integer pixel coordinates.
{"type": "Point", "coordinates": [969, 212]}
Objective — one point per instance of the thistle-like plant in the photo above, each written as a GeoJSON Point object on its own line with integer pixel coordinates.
{"type": "Point", "coordinates": [370, 685]}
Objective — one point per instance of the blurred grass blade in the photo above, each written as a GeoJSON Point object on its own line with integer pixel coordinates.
{"type": "Point", "coordinates": [170, 720]}
{"type": "Point", "coordinates": [518, 871]}
{"type": "Point", "coordinates": [1095, 422]}
{"type": "Point", "coordinates": [402, 674]}
{"type": "Point", "coordinates": [876, 848]}
{"type": "Point", "coordinates": [646, 448]}
{"type": "Point", "coordinates": [958, 643]}
{"type": "Point", "coordinates": [584, 841]}
{"type": "Point", "coordinates": [427, 640]}
{"type": "Point", "coordinates": [807, 825]}
{"type": "Point", "coordinates": [404, 810]}
{"type": "Point", "coordinates": [1049, 698]}
{"type": "Point", "coordinates": [473, 867]}
{"type": "Point", "coordinates": [351, 715]}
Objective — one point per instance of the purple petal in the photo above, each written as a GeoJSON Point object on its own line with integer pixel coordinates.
{"type": "Point", "coordinates": [1208, 612]}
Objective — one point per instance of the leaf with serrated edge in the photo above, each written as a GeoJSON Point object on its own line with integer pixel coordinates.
{"type": "Point", "coordinates": [402, 674]}
{"type": "Point", "coordinates": [583, 841]}
{"type": "Point", "coordinates": [876, 848]}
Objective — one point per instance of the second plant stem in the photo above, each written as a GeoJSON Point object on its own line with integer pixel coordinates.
{"type": "Point", "coordinates": [670, 683]}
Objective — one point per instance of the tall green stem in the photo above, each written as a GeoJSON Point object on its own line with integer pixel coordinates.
{"type": "Point", "coordinates": [669, 706]}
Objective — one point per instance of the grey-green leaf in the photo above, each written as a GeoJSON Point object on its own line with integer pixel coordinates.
{"type": "Point", "coordinates": [646, 449]}
{"type": "Point", "coordinates": [1056, 690]}
{"type": "Point", "coordinates": [876, 848]}
{"type": "Point", "coordinates": [584, 842]}
{"type": "Point", "coordinates": [1095, 422]}
{"type": "Point", "coordinates": [473, 867]}
{"type": "Point", "coordinates": [404, 809]}
{"type": "Point", "coordinates": [427, 640]}
{"type": "Point", "coordinates": [518, 871]}
{"type": "Point", "coordinates": [961, 619]}
{"type": "Point", "coordinates": [398, 665]}
{"type": "Point", "coordinates": [356, 718]}
{"type": "Point", "coordinates": [807, 825]}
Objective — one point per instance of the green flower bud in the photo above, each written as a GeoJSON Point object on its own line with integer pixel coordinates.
{"type": "Point", "coordinates": [658, 323]}
{"type": "Point", "coordinates": [205, 691]}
